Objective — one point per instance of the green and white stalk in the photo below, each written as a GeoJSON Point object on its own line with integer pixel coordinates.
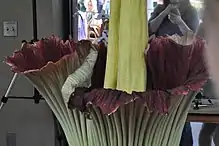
{"type": "Point", "coordinates": [133, 125]}
{"type": "Point", "coordinates": [49, 82]}
{"type": "Point", "coordinates": [81, 77]}
{"type": "Point", "coordinates": [130, 125]}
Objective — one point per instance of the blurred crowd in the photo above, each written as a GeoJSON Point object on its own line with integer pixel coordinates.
{"type": "Point", "coordinates": [91, 15]}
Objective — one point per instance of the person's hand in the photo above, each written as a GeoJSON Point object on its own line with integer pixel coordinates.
{"type": "Point", "coordinates": [174, 18]}
{"type": "Point", "coordinates": [170, 7]}
{"type": "Point", "coordinates": [175, 11]}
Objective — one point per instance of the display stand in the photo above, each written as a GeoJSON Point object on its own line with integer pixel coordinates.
{"type": "Point", "coordinates": [207, 113]}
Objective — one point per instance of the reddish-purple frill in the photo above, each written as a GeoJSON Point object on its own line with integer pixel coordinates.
{"type": "Point", "coordinates": [33, 57]}
{"type": "Point", "coordinates": [172, 70]}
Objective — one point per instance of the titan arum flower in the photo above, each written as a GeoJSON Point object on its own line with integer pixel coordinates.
{"type": "Point", "coordinates": [152, 118]}
{"type": "Point", "coordinates": [50, 65]}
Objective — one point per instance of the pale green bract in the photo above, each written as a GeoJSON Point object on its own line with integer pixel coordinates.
{"type": "Point", "coordinates": [49, 82]}
{"type": "Point", "coordinates": [81, 77]}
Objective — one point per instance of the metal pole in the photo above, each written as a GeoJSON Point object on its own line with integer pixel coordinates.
{"type": "Point", "coordinates": [5, 98]}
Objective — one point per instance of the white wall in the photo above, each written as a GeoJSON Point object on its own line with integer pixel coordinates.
{"type": "Point", "coordinates": [33, 124]}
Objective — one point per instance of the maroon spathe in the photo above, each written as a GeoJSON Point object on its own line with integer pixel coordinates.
{"type": "Point", "coordinates": [32, 57]}
{"type": "Point", "coordinates": [172, 70]}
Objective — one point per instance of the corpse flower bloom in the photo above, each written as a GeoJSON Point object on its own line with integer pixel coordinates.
{"type": "Point", "coordinates": [50, 64]}
{"type": "Point", "coordinates": [176, 71]}
{"type": "Point", "coordinates": [60, 69]}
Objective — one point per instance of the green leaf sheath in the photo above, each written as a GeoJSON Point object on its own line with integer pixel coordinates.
{"type": "Point", "coordinates": [130, 125]}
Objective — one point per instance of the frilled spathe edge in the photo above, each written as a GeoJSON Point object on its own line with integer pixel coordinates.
{"type": "Point", "coordinates": [81, 77]}
{"type": "Point", "coordinates": [73, 57]}
{"type": "Point", "coordinates": [168, 76]}
{"type": "Point", "coordinates": [109, 100]}
{"type": "Point", "coordinates": [35, 57]}
{"type": "Point", "coordinates": [180, 40]}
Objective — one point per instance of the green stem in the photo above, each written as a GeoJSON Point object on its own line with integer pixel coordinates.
{"type": "Point", "coordinates": [94, 135]}
{"type": "Point", "coordinates": [96, 127]}
{"type": "Point", "coordinates": [143, 131]}
{"type": "Point", "coordinates": [115, 134]}
{"type": "Point", "coordinates": [53, 92]}
{"type": "Point", "coordinates": [84, 130]}
{"type": "Point", "coordinates": [184, 112]}
{"type": "Point", "coordinates": [171, 118]}
{"type": "Point", "coordinates": [124, 125]}
{"type": "Point", "coordinates": [155, 130]}
{"type": "Point", "coordinates": [118, 126]}
{"type": "Point", "coordinates": [78, 127]}
{"type": "Point", "coordinates": [132, 118]}
{"type": "Point", "coordinates": [110, 131]}
{"type": "Point", "coordinates": [139, 124]}
{"type": "Point", "coordinates": [161, 132]}
{"type": "Point", "coordinates": [90, 140]}
{"type": "Point", "coordinates": [130, 125]}
{"type": "Point", "coordinates": [150, 125]}
{"type": "Point", "coordinates": [102, 127]}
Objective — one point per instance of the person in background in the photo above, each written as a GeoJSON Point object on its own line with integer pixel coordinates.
{"type": "Point", "coordinates": [175, 17]}
{"type": "Point", "coordinates": [106, 8]}
{"type": "Point", "coordinates": [100, 5]}
{"type": "Point", "coordinates": [211, 23]}
{"type": "Point", "coordinates": [90, 10]}
{"type": "Point", "coordinates": [216, 135]}
{"type": "Point", "coordinates": [209, 131]}
{"type": "Point", "coordinates": [81, 6]}
{"type": "Point", "coordinates": [81, 25]}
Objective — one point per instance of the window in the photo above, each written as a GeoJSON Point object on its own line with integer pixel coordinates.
{"type": "Point", "coordinates": [199, 5]}
{"type": "Point", "coordinates": [90, 14]}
